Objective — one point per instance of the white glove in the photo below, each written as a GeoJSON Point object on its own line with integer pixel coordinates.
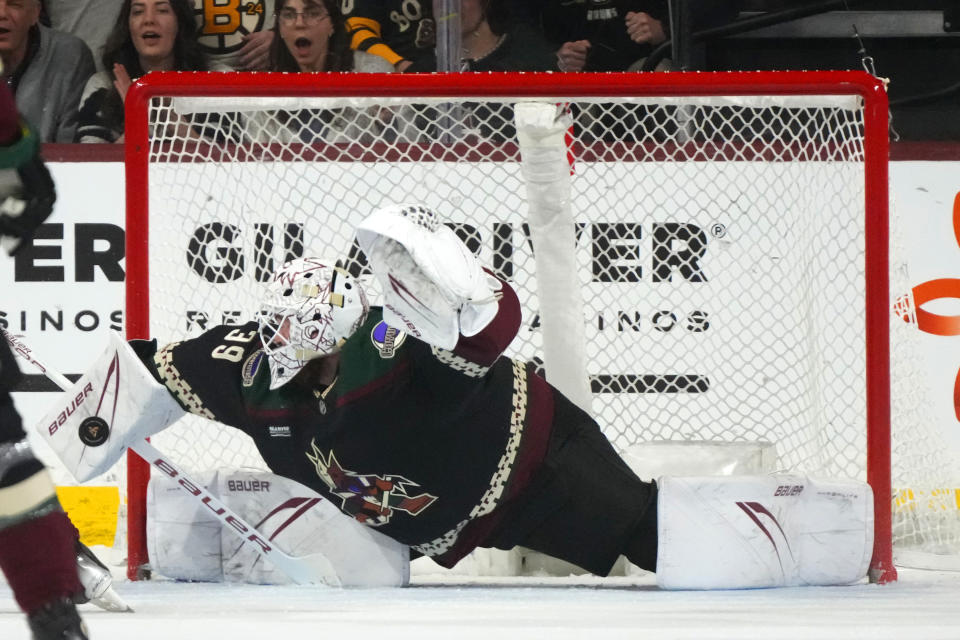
{"type": "Point", "coordinates": [412, 302]}
{"type": "Point", "coordinates": [434, 287]}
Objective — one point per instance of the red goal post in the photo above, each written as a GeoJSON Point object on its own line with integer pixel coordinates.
{"type": "Point", "coordinates": [736, 139]}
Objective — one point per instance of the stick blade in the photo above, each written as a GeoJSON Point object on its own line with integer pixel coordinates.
{"type": "Point", "coordinates": [110, 601]}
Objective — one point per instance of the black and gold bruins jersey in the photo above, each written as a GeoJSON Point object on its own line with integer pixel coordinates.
{"type": "Point", "coordinates": [422, 443]}
{"type": "Point", "coordinates": [395, 30]}
{"type": "Point", "coordinates": [221, 26]}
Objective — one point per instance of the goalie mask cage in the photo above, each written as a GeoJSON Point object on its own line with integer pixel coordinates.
{"type": "Point", "coordinates": [730, 241]}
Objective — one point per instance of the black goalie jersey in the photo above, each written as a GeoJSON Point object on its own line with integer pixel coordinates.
{"type": "Point", "coordinates": [420, 442]}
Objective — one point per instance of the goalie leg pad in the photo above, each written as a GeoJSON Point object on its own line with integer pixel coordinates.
{"type": "Point", "coordinates": [186, 542]}
{"type": "Point", "coordinates": [115, 404]}
{"type": "Point", "coordinates": [742, 532]}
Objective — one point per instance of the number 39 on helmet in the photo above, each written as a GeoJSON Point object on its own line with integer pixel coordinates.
{"type": "Point", "coordinates": [310, 310]}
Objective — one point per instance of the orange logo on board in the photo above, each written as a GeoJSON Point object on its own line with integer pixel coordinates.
{"type": "Point", "coordinates": [936, 289]}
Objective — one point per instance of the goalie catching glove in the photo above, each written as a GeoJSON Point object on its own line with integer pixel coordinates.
{"type": "Point", "coordinates": [434, 287]}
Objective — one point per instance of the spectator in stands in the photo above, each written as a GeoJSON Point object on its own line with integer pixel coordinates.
{"type": "Point", "coordinates": [150, 35]}
{"type": "Point", "coordinates": [45, 69]}
{"type": "Point", "coordinates": [615, 35]}
{"type": "Point", "coordinates": [603, 35]}
{"type": "Point", "coordinates": [310, 35]}
{"type": "Point", "coordinates": [89, 20]}
{"type": "Point", "coordinates": [401, 32]}
{"type": "Point", "coordinates": [237, 35]}
{"type": "Point", "coordinates": [493, 41]}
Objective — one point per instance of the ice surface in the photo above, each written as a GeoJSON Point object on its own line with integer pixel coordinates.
{"type": "Point", "coordinates": [922, 605]}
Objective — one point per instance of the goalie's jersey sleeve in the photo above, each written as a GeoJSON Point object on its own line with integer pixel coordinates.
{"type": "Point", "coordinates": [423, 443]}
{"type": "Point", "coordinates": [392, 29]}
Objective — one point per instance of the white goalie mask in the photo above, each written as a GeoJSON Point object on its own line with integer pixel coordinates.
{"type": "Point", "coordinates": [311, 308]}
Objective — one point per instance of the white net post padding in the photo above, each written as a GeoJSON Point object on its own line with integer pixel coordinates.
{"type": "Point", "coordinates": [718, 239]}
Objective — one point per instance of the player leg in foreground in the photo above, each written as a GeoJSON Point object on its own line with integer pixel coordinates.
{"type": "Point", "coordinates": [36, 538]}
{"type": "Point", "coordinates": [47, 566]}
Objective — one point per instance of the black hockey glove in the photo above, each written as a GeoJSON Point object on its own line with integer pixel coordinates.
{"type": "Point", "coordinates": [27, 193]}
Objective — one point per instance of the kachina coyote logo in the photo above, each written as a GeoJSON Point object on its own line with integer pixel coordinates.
{"type": "Point", "coordinates": [371, 499]}
{"type": "Point", "coordinates": [910, 306]}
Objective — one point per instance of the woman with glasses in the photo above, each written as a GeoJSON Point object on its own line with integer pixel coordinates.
{"type": "Point", "coordinates": [310, 37]}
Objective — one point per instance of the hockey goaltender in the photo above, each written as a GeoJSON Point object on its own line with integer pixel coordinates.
{"type": "Point", "coordinates": [409, 419]}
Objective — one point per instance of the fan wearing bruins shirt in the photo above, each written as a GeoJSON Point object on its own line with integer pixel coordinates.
{"type": "Point", "coordinates": [402, 32]}
{"type": "Point", "coordinates": [236, 33]}
{"type": "Point", "coordinates": [428, 433]}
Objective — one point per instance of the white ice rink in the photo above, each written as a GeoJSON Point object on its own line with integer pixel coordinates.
{"type": "Point", "coordinates": [922, 605]}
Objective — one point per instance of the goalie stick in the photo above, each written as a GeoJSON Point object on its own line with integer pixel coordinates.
{"type": "Point", "coordinates": [313, 569]}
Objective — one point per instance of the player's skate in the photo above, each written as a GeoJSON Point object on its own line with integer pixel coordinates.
{"type": "Point", "coordinates": [97, 582]}
{"type": "Point", "coordinates": [58, 620]}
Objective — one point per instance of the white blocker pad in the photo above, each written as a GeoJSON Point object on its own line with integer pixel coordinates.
{"type": "Point", "coordinates": [744, 532]}
{"type": "Point", "coordinates": [185, 542]}
{"type": "Point", "coordinates": [113, 405]}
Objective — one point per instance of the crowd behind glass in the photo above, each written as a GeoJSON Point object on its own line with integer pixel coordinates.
{"type": "Point", "coordinates": [71, 62]}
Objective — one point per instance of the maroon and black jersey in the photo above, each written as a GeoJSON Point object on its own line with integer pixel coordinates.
{"type": "Point", "coordinates": [422, 443]}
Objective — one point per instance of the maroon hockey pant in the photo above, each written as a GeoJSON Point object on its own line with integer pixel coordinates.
{"type": "Point", "coordinates": [584, 504]}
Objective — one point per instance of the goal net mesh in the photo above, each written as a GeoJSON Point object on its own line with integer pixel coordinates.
{"type": "Point", "coordinates": [720, 247]}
